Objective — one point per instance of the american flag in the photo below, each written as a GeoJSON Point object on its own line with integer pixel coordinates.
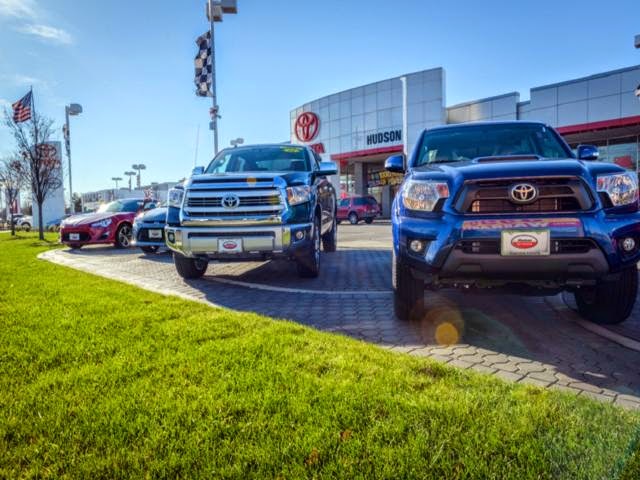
{"type": "Point", "coordinates": [22, 108]}
{"type": "Point", "coordinates": [204, 66]}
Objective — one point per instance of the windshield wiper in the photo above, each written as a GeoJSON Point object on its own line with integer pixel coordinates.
{"type": "Point", "coordinates": [507, 158]}
{"type": "Point", "coordinates": [443, 161]}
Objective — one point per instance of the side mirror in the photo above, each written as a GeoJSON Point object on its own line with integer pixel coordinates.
{"type": "Point", "coordinates": [327, 168]}
{"type": "Point", "coordinates": [197, 171]}
{"type": "Point", "coordinates": [395, 164]}
{"type": "Point", "coordinates": [588, 152]}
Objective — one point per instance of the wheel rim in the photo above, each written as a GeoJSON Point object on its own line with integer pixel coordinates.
{"type": "Point", "coordinates": [199, 264]}
{"type": "Point", "coordinates": [124, 236]}
{"type": "Point", "coordinates": [353, 218]}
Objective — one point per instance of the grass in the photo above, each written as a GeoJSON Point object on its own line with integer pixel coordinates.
{"type": "Point", "coordinates": [102, 380]}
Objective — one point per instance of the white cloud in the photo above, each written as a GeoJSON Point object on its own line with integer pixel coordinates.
{"type": "Point", "coordinates": [18, 8]}
{"type": "Point", "coordinates": [4, 103]}
{"type": "Point", "coordinates": [45, 32]}
{"type": "Point", "coordinates": [20, 80]}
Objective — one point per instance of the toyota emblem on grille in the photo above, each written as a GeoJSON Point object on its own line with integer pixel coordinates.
{"type": "Point", "coordinates": [230, 201]}
{"type": "Point", "coordinates": [523, 193]}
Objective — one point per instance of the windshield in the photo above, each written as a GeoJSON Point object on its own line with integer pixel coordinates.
{"type": "Point", "coordinates": [456, 144]}
{"type": "Point", "coordinates": [261, 159]}
{"type": "Point", "coordinates": [120, 206]}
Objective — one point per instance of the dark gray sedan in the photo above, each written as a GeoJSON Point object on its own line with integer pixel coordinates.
{"type": "Point", "coordinates": [148, 230]}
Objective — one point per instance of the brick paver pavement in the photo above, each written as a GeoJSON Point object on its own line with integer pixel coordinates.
{"type": "Point", "coordinates": [522, 339]}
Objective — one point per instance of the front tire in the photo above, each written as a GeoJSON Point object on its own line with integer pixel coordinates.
{"type": "Point", "coordinates": [26, 227]}
{"type": "Point", "coordinates": [609, 302]}
{"type": "Point", "coordinates": [353, 218]}
{"type": "Point", "coordinates": [308, 263]}
{"type": "Point", "coordinates": [408, 292]}
{"type": "Point", "coordinates": [368, 221]}
{"type": "Point", "coordinates": [330, 239]}
{"type": "Point", "coordinates": [124, 235]}
{"type": "Point", "coordinates": [189, 268]}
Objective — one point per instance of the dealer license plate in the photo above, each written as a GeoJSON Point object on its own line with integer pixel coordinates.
{"type": "Point", "coordinates": [229, 245]}
{"type": "Point", "coordinates": [74, 236]}
{"type": "Point", "coordinates": [155, 234]}
{"type": "Point", "coordinates": [525, 243]}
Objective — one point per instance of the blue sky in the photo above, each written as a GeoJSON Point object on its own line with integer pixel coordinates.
{"type": "Point", "coordinates": [130, 64]}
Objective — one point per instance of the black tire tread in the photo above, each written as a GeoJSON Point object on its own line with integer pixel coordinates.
{"type": "Point", "coordinates": [305, 263]}
{"type": "Point", "coordinates": [330, 239]}
{"type": "Point", "coordinates": [408, 292]}
{"type": "Point", "coordinates": [614, 300]}
{"type": "Point", "coordinates": [186, 267]}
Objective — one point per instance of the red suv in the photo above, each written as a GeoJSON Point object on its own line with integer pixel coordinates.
{"type": "Point", "coordinates": [358, 208]}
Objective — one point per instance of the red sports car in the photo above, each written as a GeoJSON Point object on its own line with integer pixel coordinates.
{"type": "Point", "coordinates": [112, 223]}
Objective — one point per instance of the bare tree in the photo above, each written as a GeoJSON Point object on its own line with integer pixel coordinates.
{"type": "Point", "coordinates": [11, 181]}
{"type": "Point", "coordinates": [42, 169]}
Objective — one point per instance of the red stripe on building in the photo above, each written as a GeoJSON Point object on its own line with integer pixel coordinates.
{"type": "Point", "coordinates": [336, 157]}
{"type": "Point", "coordinates": [603, 125]}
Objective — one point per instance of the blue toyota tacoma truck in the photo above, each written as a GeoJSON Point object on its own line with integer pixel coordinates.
{"type": "Point", "coordinates": [508, 206]}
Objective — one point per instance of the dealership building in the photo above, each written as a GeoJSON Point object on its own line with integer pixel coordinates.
{"type": "Point", "coordinates": [359, 128]}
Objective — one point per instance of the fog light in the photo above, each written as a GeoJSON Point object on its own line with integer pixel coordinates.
{"type": "Point", "coordinates": [171, 237]}
{"type": "Point", "coordinates": [416, 246]}
{"type": "Point", "coordinates": [628, 244]}
{"type": "Point", "coordinates": [299, 235]}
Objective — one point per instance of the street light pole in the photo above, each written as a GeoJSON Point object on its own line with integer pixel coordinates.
{"type": "Point", "coordinates": [214, 94]}
{"type": "Point", "coordinates": [139, 167]}
{"type": "Point", "coordinates": [116, 179]}
{"type": "Point", "coordinates": [215, 11]}
{"type": "Point", "coordinates": [130, 174]}
{"type": "Point", "coordinates": [71, 109]}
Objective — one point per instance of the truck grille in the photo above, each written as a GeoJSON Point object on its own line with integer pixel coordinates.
{"type": "Point", "coordinates": [565, 194]}
{"type": "Point", "coordinates": [560, 246]}
{"type": "Point", "coordinates": [251, 199]}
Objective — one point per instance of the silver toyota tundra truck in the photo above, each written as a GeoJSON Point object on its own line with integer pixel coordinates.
{"type": "Point", "coordinates": [254, 203]}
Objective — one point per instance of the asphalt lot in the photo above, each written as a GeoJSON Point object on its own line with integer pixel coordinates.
{"type": "Point", "coordinates": [534, 340]}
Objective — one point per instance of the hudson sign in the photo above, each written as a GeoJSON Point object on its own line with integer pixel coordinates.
{"type": "Point", "coordinates": [389, 136]}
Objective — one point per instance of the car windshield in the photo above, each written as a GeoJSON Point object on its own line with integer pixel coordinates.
{"type": "Point", "coordinates": [261, 159]}
{"type": "Point", "coordinates": [457, 144]}
{"type": "Point", "coordinates": [120, 206]}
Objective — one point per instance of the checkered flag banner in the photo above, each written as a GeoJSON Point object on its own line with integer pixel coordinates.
{"type": "Point", "coordinates": [204, 66]}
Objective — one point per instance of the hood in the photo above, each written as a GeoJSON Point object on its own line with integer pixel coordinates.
{"type": "Point", "coordinates": [286, 178]}
{"type": "Point", "coordinates": [154, 215]}
{"type": "Point", "coordinates": [460, 172]}
{"type": "Point", "coordinates": [87, 219]}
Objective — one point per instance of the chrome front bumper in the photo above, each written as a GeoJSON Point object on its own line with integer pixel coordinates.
{"type": "Point", "coordinates": [271, 239]}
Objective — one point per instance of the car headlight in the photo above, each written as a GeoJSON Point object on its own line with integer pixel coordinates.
{"type": "Point", "coordinates": [622, 188]}
{"type": "Point", "coordinates": [423, 195]}
{"type": "Point", "coordinates": [101, 224]}
{"type": "Point", "coordinates": [298, 195]}
{"type": "Point", "coordinates": [174, 197]}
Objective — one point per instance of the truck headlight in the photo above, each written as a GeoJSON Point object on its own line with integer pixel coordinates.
{"type": "Point", "coordinates": [423, 195]}
{"type": "Point", "coordinates": [298, 195]}
{"type": "Point", "coordinates": [174, 197]}
{"type": "Point", "coordinates": [102, 224]}
{"type": "Point", "coordinates": [622, 188]}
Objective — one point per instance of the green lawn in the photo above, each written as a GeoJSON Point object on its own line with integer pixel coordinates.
{"type": "Point", "coordinates": [102, 380]}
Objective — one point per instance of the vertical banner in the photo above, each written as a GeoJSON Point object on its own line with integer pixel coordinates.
{"type": "Point", "coordinates": [53, 206]}
{"type": "Point", "coordinates": [204, 66]}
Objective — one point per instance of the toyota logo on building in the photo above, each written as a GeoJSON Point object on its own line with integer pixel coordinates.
{"type": "Point", "coordinates": [230, 201]}
{"type": "Point", "coordinates": [307, 126]}
{"type": "Point", "coordinates": [523, 193]}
